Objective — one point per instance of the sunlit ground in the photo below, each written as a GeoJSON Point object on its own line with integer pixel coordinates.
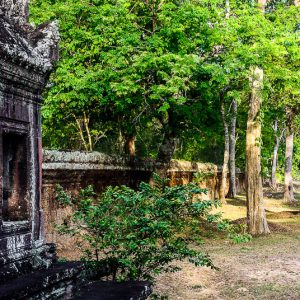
{"type": "Point", "coordinates": [265, 268]}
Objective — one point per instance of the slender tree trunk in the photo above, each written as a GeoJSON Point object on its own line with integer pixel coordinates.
{"type": "Point", "coordinates": [86, 121]}
{"type": "Point", "coordinates": [289, 147]}
{"type": "Point", "coordinates": [129, 145]}
{"type": "Point", "coordinates": [226, 154]}
{"type": "Point", "coordinates": [256, 217]}
{"type": "Point", "coordinates": [274, 164]}
{"type": "Point", "coordinates": [275, 157]}
{"type": "Point", "coordinates": [278, 139]}
{"type": "Point", "coordinates": [232, 135]}
{"type": "Point", "coordinates": [79, 126]}
{"type": "Point", "coordinates": [288, 172]}
{"type": "Point", "coordinates": [232, 143]}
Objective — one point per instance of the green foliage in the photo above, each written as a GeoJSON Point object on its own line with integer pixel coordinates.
{"type": "Point", "coordinates": [296, 160]}
{"type": "Point", "coordinates": [64, 198]}
{"type": "Point", "coordinates": [139, 233]}
{"type": "Point", "coordinates": [238, 238]}
{"type": "Point", "coordinates": [236, 233]}
{"type": "Point", "coordinates": [200, 177]}
{"type": "Point", "coordinates": [126, 66]}
{"type": "Point", "coordinates": [123, 62]}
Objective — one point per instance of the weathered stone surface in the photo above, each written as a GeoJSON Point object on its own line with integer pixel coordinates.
{"type": "Point", "coordinates": [105, 290]}
{"type": "Point", "coordinates": [76, 160]}
{"type": "Point", "coordinates": [58, 281]}
{"type": "Point", "coordinates": [16, 11]}
{"type": "Point", "coordinates": [27, 55]}
{"type": "Point", "coordinates": [23, 44]}
{"type": "Point", "coordinates": [75, 170]}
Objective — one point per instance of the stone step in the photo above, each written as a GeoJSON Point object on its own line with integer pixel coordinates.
{"type": "Point", "coordinates": [59, 281]}
{"type": "Point", "coordinates": [107, 290]}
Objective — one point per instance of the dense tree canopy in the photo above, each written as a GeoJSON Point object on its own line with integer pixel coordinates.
{"type": "Point", "coordinates": [158, 72]}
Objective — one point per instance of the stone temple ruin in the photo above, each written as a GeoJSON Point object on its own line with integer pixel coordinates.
{"type": "Point", "coordinates": [26, 56]}
{"type": "Point", "coordinates": [28, 267]}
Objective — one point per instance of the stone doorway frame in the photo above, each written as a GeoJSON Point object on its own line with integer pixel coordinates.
{"type": "Point", "coordinates": [18, 129]}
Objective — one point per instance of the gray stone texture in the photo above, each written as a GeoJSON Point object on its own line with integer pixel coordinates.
{"type": "Point", "coordinates": [26, 58]}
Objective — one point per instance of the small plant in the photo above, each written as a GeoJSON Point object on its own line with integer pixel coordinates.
{"type": "Point", "coordinates": [237, 233]}
{"type": "Point", "coordinates": [200, 177]}
{"type": "Point", "coordinates": [238, 238]}
{"type": "Point", "coordinates": [60, 194]}
{"type": "Point", "coordinates": [138, 234]}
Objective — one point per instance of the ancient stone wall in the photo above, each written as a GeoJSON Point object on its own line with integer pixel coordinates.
{"type": "Point", "coordinates": [76, 170]}
{"type": "Point", "coordinates": [27, 54]}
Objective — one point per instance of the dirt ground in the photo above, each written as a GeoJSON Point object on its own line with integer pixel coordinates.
{"type": "Point", "coordinates": [266, 268]}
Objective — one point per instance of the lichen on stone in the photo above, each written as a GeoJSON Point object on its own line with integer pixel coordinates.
{"type": "Point", "coordinates": [36, 47]}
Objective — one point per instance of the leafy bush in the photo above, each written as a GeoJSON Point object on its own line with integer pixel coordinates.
{"type": "Point", "coordinates": [238, 238]}
{"type": "Point", "coordinates": [139, 233]}
{"type": "Point", "coordinates": [237, 233]}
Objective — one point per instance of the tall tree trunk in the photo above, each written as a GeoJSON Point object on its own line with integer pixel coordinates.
{"type": "Point", "coordinates": [226, 153]}
{"type": "Point", "coordinates": [274, 164]}
{"type": "Point", "coordinates": [232, 143]}
{"type": "Point", "coordinates": [256, 216]}
{"type": "Point", "coordinates": [129, 145]}
{"type": "Point", "coordinates": [289, 147]}
{"type": "Point", "coordinates": [232, 135]}
{"type": "Point", "coordinates": [86, 121]}
{"type": "Point", "coordinates": [278, 139]}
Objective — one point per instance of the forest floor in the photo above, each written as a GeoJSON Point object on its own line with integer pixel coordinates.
{"type": "Point", "coordinates": [265, 268]}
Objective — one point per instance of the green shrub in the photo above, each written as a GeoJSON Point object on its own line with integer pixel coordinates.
{"type": "Point", "coordinates": [139, 233]}
{"type": "Point", "coordinates": [238, 238]}
{"type": "Point", "coordinates": [236, 233]}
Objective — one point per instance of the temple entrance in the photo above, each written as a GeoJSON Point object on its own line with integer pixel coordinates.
{"type": "Point", "coordinates": [15, 177]}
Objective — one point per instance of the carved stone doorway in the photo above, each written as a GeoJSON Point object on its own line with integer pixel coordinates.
{"type": "Point", "coordinates": [15, 177]}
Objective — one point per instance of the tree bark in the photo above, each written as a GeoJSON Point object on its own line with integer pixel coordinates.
{"type": "Point", "coordinates": [289, 147]}
{"type": "Point", "coordinates": [226, 153]}
{"type": "Point", "coordinates": [79, 126]}
{"type": "Point", "coordinates": [232, 143]}
{"type": "Point", "coordinates": [86, 121]}
{"type": "Point", "coordinates": [278, 139]}
{"type": "Point", "coordinates": [256, 216]}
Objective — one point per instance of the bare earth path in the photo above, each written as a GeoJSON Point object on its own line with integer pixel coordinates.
{"type": "Point", "coordinates": [265, 268]}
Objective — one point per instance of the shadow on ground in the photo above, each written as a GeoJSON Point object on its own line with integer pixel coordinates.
{"type": "Point", "coordinates": [239, 201]}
